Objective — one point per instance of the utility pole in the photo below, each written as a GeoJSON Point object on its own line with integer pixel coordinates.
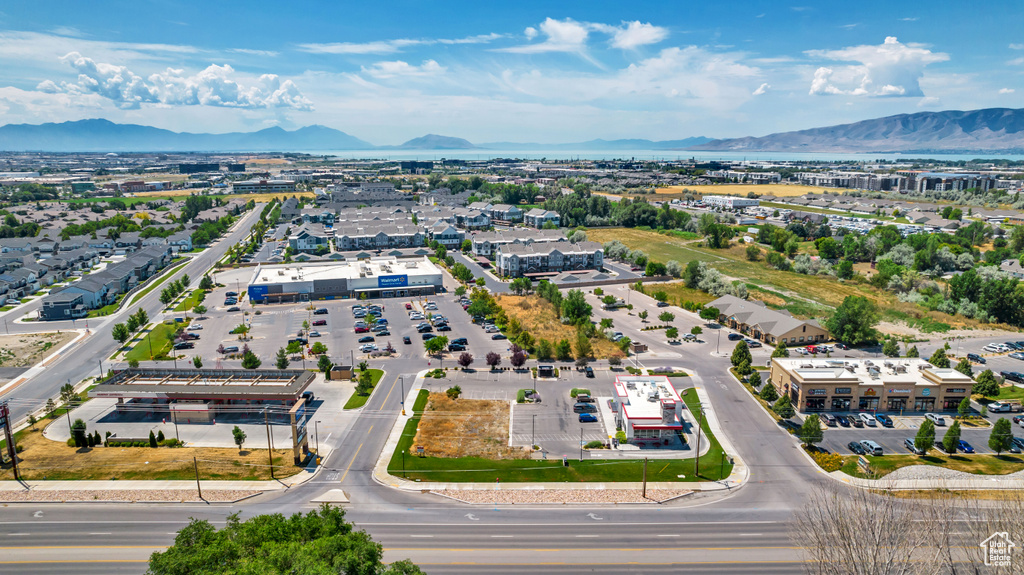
{"type": "Point", "coordinates": [316, 435]}
{"type": "Point", "coordinates": [401, 382]}
{"type": "Point", "coordinates": [195, 464]}
{"type": "Point", "coordinates": [696, 459]}
{"type": "Point", "coordinates": [270, 450]}
{"type": "Point", "coordinates": [643, 492]}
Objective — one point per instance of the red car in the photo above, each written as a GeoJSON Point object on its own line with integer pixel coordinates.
{"type": "Point", "coordinates": [362, 329]}
{"type": "Point", "coordinates": [812, 349]}
{"type": "Point", "coordinates": [320, 322]}
{"type": "Point", "coordinates": [408, 305]}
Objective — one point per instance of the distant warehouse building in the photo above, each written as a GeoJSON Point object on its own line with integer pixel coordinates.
{"type": "Point", "coordinates": [730, 202]}
{"type": "Point", "coordinates": [264, 186]}
{"type": "Point", "coordinates": [376, 277]}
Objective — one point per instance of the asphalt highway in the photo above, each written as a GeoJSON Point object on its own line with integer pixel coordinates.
{"type": "Point", "coordinates": [725, 532]}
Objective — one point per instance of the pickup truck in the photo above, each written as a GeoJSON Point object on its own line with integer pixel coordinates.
{"type": "Point", "coordinates": [1005, 406]}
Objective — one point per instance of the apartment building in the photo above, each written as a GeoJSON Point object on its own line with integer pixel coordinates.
{"type": "Point", "coordinates": [516, 260]}
{"type": "Point", "coordinates": [486, 243]}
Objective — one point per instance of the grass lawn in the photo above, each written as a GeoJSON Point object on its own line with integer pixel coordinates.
{"type": "Point", "coordinates": [659, 247]}
{"type": "Point", "coordinates": [678, 293]}
{"type": "Point", "coordinates": [162, 338]}
{"type": "Point", "coordinates": [358, 400]}
{"type": "Point", "coordinates": [107, 309]}
{"type": "Point", "coordinates": [52, 460]}
{"type": "Point", "coordinates": [976, 464]}
{"type": "Point", "coordinates": [480, 470]}
{"type": "Point", "coordinates": [193, 299]}
{"type": "Point", "coordinates": [155, 284]}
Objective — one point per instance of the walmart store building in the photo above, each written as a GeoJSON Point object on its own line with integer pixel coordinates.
{"type": "Point", "coordinates": [376, 277]}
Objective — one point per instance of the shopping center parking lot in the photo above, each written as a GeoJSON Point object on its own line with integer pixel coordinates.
{"type": "Point", "coordinates": [891, 439]}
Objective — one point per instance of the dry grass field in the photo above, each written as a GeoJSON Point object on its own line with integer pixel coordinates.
{"type": "Point", "coordinates": [539, 318]}
{"type": "Point", "coordinates": [465, 428]}
{"type": "Point", "coordinates": [46, 459]}
{"type": "Point", "coordinates": [255, 197]}
{"type": "Point", "coordinates": [29, 349]}
{"type": "Point", "coordinates": [779, 190]}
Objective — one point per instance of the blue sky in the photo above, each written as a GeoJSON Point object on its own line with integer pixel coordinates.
{"type": "Point", "coordinates": [506, 71]}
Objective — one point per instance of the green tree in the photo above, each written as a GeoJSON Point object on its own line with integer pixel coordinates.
{"type": "Point", "coordinates": [121, 333]}
{"type": "Point", "coordinates": [925, 438]}
{"type": "Point", "coordinates": [741, 353]}
{"type": "Point", "coordinates": [575, 307]}
{"type": "Point", "coordinates": [467, 245]}
{"type": "Point", "coordinates": [282, 359]}
{"type": "Point", "coordinates": [1001, 438]}
{"type": "Point", "coordinates": [239, 436]}
{"type": "Point", "coordinates": [784, 407]}
{"type": "Point", "coordinates": [68, 396]}
{"type": "Point", "coordinates": [912, 352]}
{"type": "Point", "coordinates": [939, 359]}
{"type": "Point", "coordinates": [141, 316]}
{"type": "Point", "coordinates": [185, 280]}
{"type": "Point", "coordinates": [643, 316]}
{"type": "Point", "coordinates": [152, 439]}
{"type": "Point", "coordinates": [364, 385]}
{"type": "Point", "coordinates": [582, 345]}
{"type": "Point", "coordinates": [250, 360]}
{"type": "Point", "coordinates": [696, 330]}
{"type": "Point", "coordinates": [318, 348]}
{"type": "Point", "coordinates": [810, 432]}
{"type": "Point", "coordinates": [986, 384]}
{"type": "Point", "coordinates": [952, 438]}
{"type": "Point", "coordinates": [844, 270]}
{"type": "Point", "coordinates": [666, 317]}
{"type": "Point", "coordinates": [709, 314]}
{"type": "Point", "coordinates": [964, 409]}
{"type": "Point", "coordinates": [964, 367]}
{"type": "Point", "coordinates": [197, 362]}
{"type": "Point", "coordinates": [753, 253]}
{"type": "Point", "coordinates": [606, 323]}
{"type": "Point", "coordinates": [324, 363]}
{"type": "Point", "coordinates": [854, 321]}
{"type": "Point", "coordinates": [133, 363]}
{"type": "Point", "coordinates": [132, 323]}
{"type": "Point", "coordinates": [435, 345]}
{"type": "Point", "coordinates": [544, 349]}
{"type": "Point", "coordinates": [166, 296]}
{"type": "Point", "coordinates": [206, 283]}
{"type": "Point", "coordinates": [293, 347]}
{"type": "Point", "coordinates": [78, 434]}
{"type": "Point", "coordinates": [755, 379]}
{"type": "Point", "coordinates": [780, 350]}
{"type": "Point", "coordinates": [453, 392]}
{"type": "Point", "coordinates": [672, 333]}
{"type": "Point", "coordinates": [890, 348]}
{"type": "Point", "coordinates": [563, 350]}
{"type": "Point", "coordinates": [460, 291]}
{"type": "Point", "coordinates": [769, 393]}
{"type": "Point", "coordinates": [200, 310]}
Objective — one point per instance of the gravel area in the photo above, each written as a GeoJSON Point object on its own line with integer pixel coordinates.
{"type": "Point", "coordinates": [560, 496]}
{"type": "Point", "coordinates": [129, 495]}
{"type": "Point", "coordinates": [934, 472]}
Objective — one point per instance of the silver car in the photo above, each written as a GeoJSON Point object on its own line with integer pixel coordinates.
{"type": "Point", "coordinates": [935, 418]}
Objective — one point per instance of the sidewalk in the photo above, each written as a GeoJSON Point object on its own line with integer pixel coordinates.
{"type": "Point", "coordinates": [983, 482]}
{"type": "Point", "coordinates": [381, 475]}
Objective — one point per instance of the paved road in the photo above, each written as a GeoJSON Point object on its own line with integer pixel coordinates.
{"type": "Point", "coordinates": [492, 284]}
{"type": "Point", "coordinates": [84, 359]}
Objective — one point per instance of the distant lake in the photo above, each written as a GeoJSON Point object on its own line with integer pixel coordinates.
{"type": "Point", "coordinates": [664, 155]}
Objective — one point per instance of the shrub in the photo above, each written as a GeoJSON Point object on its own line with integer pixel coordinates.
{"type": "Point", "coordinates": [71, 442]}
{"type": "Point", "coordinates": [454, 392]}
{"type": "Point", "coordinates": [594, 444]}
{"type": "Point", "coordinates": [578, 390]}
{"type": "Point", "coordinates": [152, 439]}
{"type": "Point", "coordinates": [521, 396]}
{"type": "Point", "coordinates": [160, 435]}
{"type": "Point", "coordinates": [620, 436]}
{"type": "Point", "coordinates": [828, 461]}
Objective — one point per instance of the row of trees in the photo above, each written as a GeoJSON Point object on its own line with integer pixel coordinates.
{"type": "Point", "coordinates": [174, 289]}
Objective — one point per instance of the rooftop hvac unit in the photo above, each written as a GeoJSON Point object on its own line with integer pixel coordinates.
{"type": "Point", "coordinates": [280, 272]}
{"type": "Point", "coordinates": [294, 278]}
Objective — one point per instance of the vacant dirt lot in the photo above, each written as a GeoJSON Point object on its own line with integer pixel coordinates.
{"type": "Point", "coordinates": [45, 459]}
{"type": "Point", "coordinates": [28, 350]}
{"type": "Point", "coordinates": [538, 317]}
{"type": "Point", "coordinates": [466, 428]}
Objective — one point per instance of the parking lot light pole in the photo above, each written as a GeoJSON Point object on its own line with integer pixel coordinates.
{"type": "Point", "coordinates": [316, 435]}
{"type": "Point", "coordinates": [533, 431]}
{"type": "Point", "coordinates": [581, 444]}
{"type": "Point", "coordinates": [696, 459]}
{"type": "Point", "coordinates": [401, 382]}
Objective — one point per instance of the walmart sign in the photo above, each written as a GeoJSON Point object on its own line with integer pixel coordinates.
{"type": "Point", "coordinates": [393, 281]}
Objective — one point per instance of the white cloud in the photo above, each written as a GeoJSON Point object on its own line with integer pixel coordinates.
{"type": "Point", "coordinates": [399, 68]}
{"type": "Point", "coordinates": [889, 69]}
{"type": "Point", "coordinates": [530, 32]}
{"type": "Point", "coordinates": [1016, 61]}
{"type": "Point", "coordinates": [251, 52]}
{"type": "Point", "coordinates": [634, 34]}
{"type": "Point", "coordinates": [909, 19]}
{"type": "Point", "coordinates": [1006, 90]}
{"type": "Point", "coordinates": [849, 26]}
{"type": "Point", "coordinates": [1017, 46]}
{"type": "Point", "coordinates": [561, 36]}
{"type": "Point", "coordinates": [391, 46]}
{"type": "Point", "coordinates": [762, 89]}
{"type": "Point", "coordinates": [213, 86]}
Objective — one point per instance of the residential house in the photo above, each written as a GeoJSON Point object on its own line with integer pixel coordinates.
{"type": "Point", "coordinates": [538, 217]}
{"type": "Point", "coordinates": [309, 238]}
{"type": "Point", "coordinates": [506, 212]}
{"type": "Point", "coordinates": [757, 321]}
{"type": "Point", "coordinates": [63, 305]}
{"type": "Point", "coordinates": [18, 245]}
{"type": "Point", "coordinates": [180, 241]}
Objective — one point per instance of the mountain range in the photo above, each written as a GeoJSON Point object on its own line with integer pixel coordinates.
{"type": "Point", "coordinates": [953, 131]}
{"type": "Point", "coordinates": [997, 130]}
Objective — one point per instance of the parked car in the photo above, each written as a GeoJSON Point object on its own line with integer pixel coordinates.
{"type": "Point", "coordinates": [234, 308]}
{"type": "Point", "coordinates": [1009, 375]}
{"type": "Point", "coordinates": [461, 340]}
{"type": "Point", "coordinates": [425, 329]}
{"type": "Point", "coordinates": [842, 346]}
{"type": "Point", "coordinates": [362, 329]}
{"type": "Point", "coordinates": [308, 397]}
{"type": "Point", "coordinates": [320, 311]}
{"type": "Point", "coordinates": [975, 358]}
{"type": "Point", "coordinates": [662, 304]}
{"type": "Point", "coordinates": [231, 294]}
{"type": "Point", "coordinates": [319, 322]}
{"type": "Point", "coordinates": [735, 337]}
{"type": "Point", "coordinates": [408, 305]}
{"type": "Point", "coordinates": [842, 421]}
{"type": "Point", "coordinates": [856, 421]}
{"type": "Point", "coordinates": [935, 418]}
{"type": "Point", "coordinates": [867, 419]}
{"type": "Point", "coordinates": [383, 332]}
{"type": "Point", "coordinates": [1003, 406]}
{"type": "Point", "coordinates": [829, 419]}
{"type": "Point", "coordinates": [1017, 355]}
{"type": "Point", "coordinates": [871, 447]}
{"type": "Point", "coordinates": [964, 447]}
{"type": "Point", "coordinates": [428, 336]}
{"type": "Point", "coordinates": [812, 349]}
{"type": "Point", "coordinates": [195, 327]}
{"type": "Point", "coordinates": [1011, 344]}
{"type": "Point", "coordinates": [366, 339]}
{"type": "Point", "coordinates": [752, 343]}
{"type": "Point", "coordinates": [188, 336]}
{"type": "Point", "coordinates": [588, 418]}
{"type": "Point", "coordinates": [184, 345]}
{"type": "Point", "coordinates": [617, 336]}
{"type": "Point", "coordinates": [884, 419]}
{"type": "Point", "coordinates": [368, 347]}
{"type": "Point", "coordinates": [444, 327]}
{"type": "Point", "coordinates": [456, 347]}
{"type": "Point", "coordinates": [314, 334]}
{"type": "Point", "coordinates": [589, 371]}
{"type": "Point", "coordinates": [231, 349]}
{"type": "Point", "coordinates": [992, 348]}
{"type": "Point", "coordinates": [406, 340]}
{"type": "Point", "coordinates": [498, 336]}
{"type": "Point", "coordinates": [909, 444]}
{"type": "Point", "coordinates": [856, 447]}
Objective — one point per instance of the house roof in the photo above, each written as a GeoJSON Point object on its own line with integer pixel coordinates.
{"type": "Point", "coordinates": [755, 313]}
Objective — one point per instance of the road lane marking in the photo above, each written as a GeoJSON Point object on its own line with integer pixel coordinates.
{"type": "Point", "coordinates": [669, 535]}
{"type": "Point", "coordinates": [344, 475]}
{"type": "Point", "coordinates": [421, 536]}
{"type": "Point", "coordinates": [502, 536]}
{"type": "Point", "coordinates": [590, 536]}
{"type": "Point", "coordinates": [105, 533]}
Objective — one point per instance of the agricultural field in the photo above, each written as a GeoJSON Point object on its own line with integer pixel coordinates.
{"type": "Point", "coordinates": [466, 428]}
{"type": "Point", "coordinates": [539, 318]}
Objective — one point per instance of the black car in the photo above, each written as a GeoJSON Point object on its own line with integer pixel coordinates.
{"type": "Point", "coordinates": [975, 358]}
{"type": "Point", "coordinates": [856, 447]}
{"type": "Point", "coordinates": [461, 340]}
{"type": "Point", "coordinates": [735, 337]}
{"type": "Point", "coordinates": [456, 347]}
{"type": "Point", "coordinates": [321, 311]}
{"type": "Point", "coordinates": [231, 294]}
{"type": "Point", "coordinates": [234, 308]}
{"type": "Point", "coordinates": [406, 340]}
{"type": "Point", "coordinates": [498, 336]}
{"type": "Point", "coordinates": [841, 345]}
{"type": "Point", "coordinates": [842, 421]}
{"type": "Point", "coordinates": [589, 371]}
{"type": "Point", "coordinates": [366, 339]}
{"type": "Point", "coordinates": [184, 345]}
{"type": "Point", "coordinates": [383, 332]}
{"type": "Point", "coordinates": [425, 329]}
{"type": "Point", "coordinates": [662, 304]}
{"type": "Point", "coordinates": [443, 327]}
{"type": "Point", "coordinates": [428, 336]}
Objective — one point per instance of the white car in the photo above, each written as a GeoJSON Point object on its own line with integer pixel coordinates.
{"type": "Point", "coordinates": [935, 418]}
{"type": "Point", "coordinates": [802, 351]}
{"type": "Point", "coordinates": [415, 315]}
{"type": "Point", "coordinates": [868, 419]}
{"type": "Point", "coordinates": [991, 348]}
{"type": "Point", "coordinates": [368, 347]}
{"type": "Point", "coordinates": [491, 329]}
{"type": "Point", "coordinates": [195, 327]}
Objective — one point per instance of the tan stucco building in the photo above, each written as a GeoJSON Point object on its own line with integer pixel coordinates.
{"type": "Point", "coordinates": [768, 325]}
